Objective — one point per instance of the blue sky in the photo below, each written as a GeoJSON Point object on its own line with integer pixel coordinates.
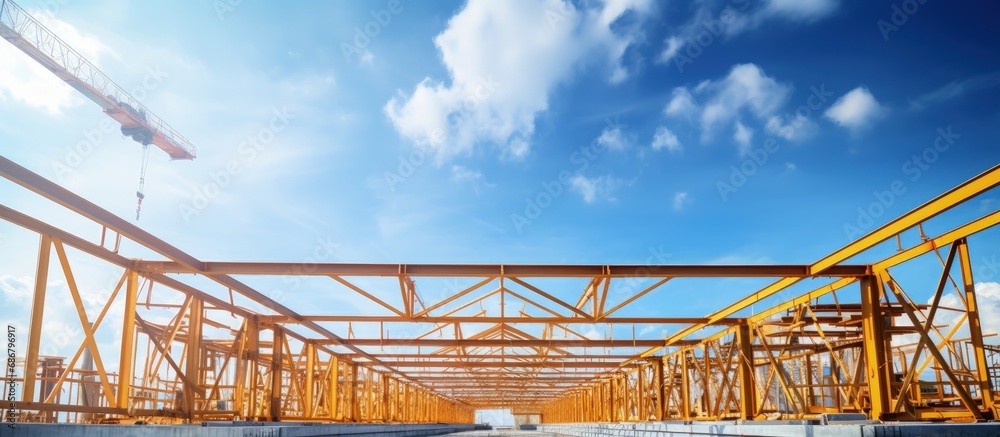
{"type": "Point", "coordinates": [627, 131]}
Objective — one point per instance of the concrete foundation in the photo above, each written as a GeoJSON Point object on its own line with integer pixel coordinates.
{"type": "Point", "coordinates": [229, 429]}
{"type": "Point", "coordinates": [772, 429]}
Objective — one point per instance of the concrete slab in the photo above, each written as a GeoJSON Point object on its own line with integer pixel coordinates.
{"type": "Point", "coordinates": [504, 433]}
{"type": "Point", "coordinates": [243, 429]}
{"type": "Point", "coordinates": [772, 429]}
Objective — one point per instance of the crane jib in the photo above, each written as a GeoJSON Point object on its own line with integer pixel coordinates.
{"type": "Point", "coordinates": [24, 32]}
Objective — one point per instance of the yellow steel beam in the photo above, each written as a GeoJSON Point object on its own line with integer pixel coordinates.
{"type": "Point", "coordinates": [982, 373]}
{"type": "Point", "coordinates": [454, 296]}
{"type": "Point", "coordinates": [928, 324]}
{"type": "Point", "coordinates": [192, 364]}
{"type": "Point", "coordinates": [88, 330]}
{"type": "Point", "coordinates": [62, 196]}
{"type": "Point", "coordinates": [500, 342]}
{"type": "Point", "coordinates": [925, 247]}
{"type": "Point", "coordinates": [126, 361]}
{"type": "Point", "coordinates": [476, 364]}
{"type": "Point", "coordinates": [876, 362]}
{"type": "Point", "coordinates": [37, 313]}
{"type": "Point", "coordinates": [417, 318]}
{"type": "Point", "coordinates": [967, 190]}
{"type": "Point", "coordinates": [622, 396]}
{"type": "Point", "coordinates": [76, 357]}
{"type": "Point", "coordinates": [602, 316]}
{"type": "Point", "coordinates": [748, 392]}
{"type": "Point", "coordinates": [552, 298]}
{"type": "Point", "coordinates": [310, 371]}
{"type": "Point", "coordinates": [364, 293]}
{"type": "Point", "coordinates": [499, 270]}
{"type": "Point", "coordinates": [277, 360]}
{"type": "Point", "coordinates": [495, 355]}
{"type": "Point", "coordinates": [957, 385]}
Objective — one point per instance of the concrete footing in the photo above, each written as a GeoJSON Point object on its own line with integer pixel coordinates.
{"type": "Point", "coordinates": [231, 429]}
{"type": "Point", "coordinates": [771, 429]}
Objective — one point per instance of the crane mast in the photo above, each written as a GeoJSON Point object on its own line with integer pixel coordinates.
{"type": "Point", "coordinates": [25, 32]}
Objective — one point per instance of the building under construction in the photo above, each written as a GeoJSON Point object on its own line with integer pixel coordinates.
{"type": "Point", "coordinates": [831, 347]}
{"type": "Point", "coordinates": [855, 346]}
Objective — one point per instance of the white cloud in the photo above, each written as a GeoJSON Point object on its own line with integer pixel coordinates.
{"type": "Point", "coordinates": [681, 104]}
{"type": "Point", "coordinates": [800, 10]}
{"type": "Point", "coordinates": [592, 334]}
{"type": "Point", "coordinates": [647, 329]}
{"type": "Point", "coordinates": [855, 110]}
{"type": "Point", "coordinates": [613, 139]}
{"type": "Point", "coordinates": [518, 149]}
{"type": "Point", "coordinates": [61, 329]}
{"type": "Point", "coordinates": [956, 89]}
{"type": "Point", "coordinates": [681, 199]}
{"type": "Point", "coordinates": [664, 139]}
{"type": "Point", "coordinates": [491, 96]}
{"type": "Point", "coordinates": [736, 18]}
{"type": "Point", "coordinates": [746, 90]}
{"type": "Point", "coordinates": [988, 298]}
{"type": "Point", "coordinates": [22, 79]}
{"type": "Point", "coordinates": [791, 127]}
{"type": "Point", "coordinates": [743, 136]}
{"type": "Point", "coordinates": [790, 166]}
{"type": "Point", "coordinates": [745, 87]}
{"type": "Point", "coordinates": [674, 45]}
{"type": "Point", "coordinates": [15, 289]}
{"type": "Point", "coordinates": [593, 188]}
{"type": "Point", "coordinates": [473, 177]}
{"type": "Point", "coordinates": [789, 11]}
{"type": "Point", "coordinates": [367, 57]}
{"type": "Point", "coordinates": [462, 174]}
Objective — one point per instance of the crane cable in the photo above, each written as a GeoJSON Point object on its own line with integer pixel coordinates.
{"type": "Point", "coordinates": [142, 179]}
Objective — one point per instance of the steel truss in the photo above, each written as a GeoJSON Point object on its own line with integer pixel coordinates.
{"type": "Point", "coordinates": [188, 355]}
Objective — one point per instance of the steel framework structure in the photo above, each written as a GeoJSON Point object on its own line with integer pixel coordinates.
{"type": "Point", "coordinates": [190, 353]}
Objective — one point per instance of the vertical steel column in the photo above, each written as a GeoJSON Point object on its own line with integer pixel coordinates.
{"type": "Point", "coordinates": [685, 388]}
{"type": "Point", "coordinates": [835, 379]}
{"type": "Point", "coordinates": [384, 410]}
{"type": "Point", "coordinates": [126, 362]}
{"type": "Point", "coordinates": [658, 377]}
{"type": "Point", "coordinates": [240, 374]}
{"type": "Point", "coordinates": [975, 326]}
{"type": "Point", "coordinates": [253, 358]}
{"type": "Point", "coordinates": [193, 364]}
{"type": "Point", "coordinates": [37, 310]}
{"type": "Point", "coordinates": [355, 410]}
{"type": "Point", "coordinates": [407, 404]}
{"type": "Point", "coordinates": [332, 391]}
{"type": "Point", "coordinates": [873, 328]}
{"type": "Point", "coordinates": [307, 409]}
{"type": "Point", "coordinates": [612, 404]}
{"type": "Point", "coordinates": [809, 398]}
{"type": "Point", "coordinates": [640, 394]}
{"type": "Point", "coordinates": [706, 395]}
{"type": "Point", "coordinates": [277, 362]}
{"type": "Point", "coordinates": [369, 389]}
{"type": "Point", "coordinates": [748, 388]}
{"type": "Point", "coordinates": [808, 389]}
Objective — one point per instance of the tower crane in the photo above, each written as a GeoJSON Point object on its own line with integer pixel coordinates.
{"type": "Point", "coordinates": [22, 30]}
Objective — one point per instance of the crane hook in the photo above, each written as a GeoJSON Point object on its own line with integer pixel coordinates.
{"type": "Point", "coordinates": [142, 179]}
